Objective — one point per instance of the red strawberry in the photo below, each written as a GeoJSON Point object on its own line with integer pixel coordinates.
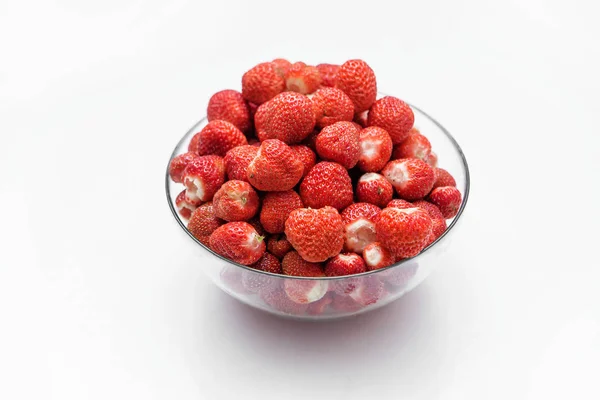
{"type": "Point", "coordinates": [276, 209]}
{"type": "Point", "coordinates": [279, 246]}
{"type": "Point", "coordinates": [179, 163]}
{"type": "Point", "coordinates": [404, 231]}
{"type": "Point", "coordinates": [399, 276]}
{"type": "Point", "coordinates": [357, 126]}
{"type": "Point", "coordinates": [448, 200]}
{"type": "Point", "coordinates": [255, 222]}
{"type": "Point", "coordinates": [184, 207]}
{"type": "Point", "coordinates": [315, 234]}
{"type": "Point", "coordinates": [362, 118]}
{"type": "Point", "coordinates": [218, 137]}
{"type": "Point", "coordinates": [399, 203]}
{"type": "Point", "coordinates": [275, 167]}
{"type": "Point", "coordinates": [230, 106]}
{"type": "Point", "coordinates": [288, 117]}
{"type": "Point", "coordinates": [377, 256]}
{"type": "Point", "coordinates": [375, 149]}
{"type": "Point", "coordinates": [305, 291]}
{"type": "Point", "coordinates": [327, 184]}
{"type": "Point", "coordinates": [414, 146]}
{"type": "Point", "coordinates": [262, 83]}
{"type": "Point", "coordinates": [439, 222]}
{"type": "Point", "coordinates": [237, 161]}
{"type": "Point", "coordinates": [239, 242]}
{"type": "Point", "coordinates": [294, 265]}
{"type": "Point", "coordinates": [345, 264]}
{"type": "Point", "coordinates": [311, 140]}
{"type": "Point", "coordinates": [255, 282]}
{"type": "Point", "coordinates": [302, 78]}
{"type": "Point", "coordinates": [339, 143]}
{"type": "Point", "coordinates": [278, 300]}
{"type": "Point", "coordinates": [443, 178]}
{"type": "Point", "coordinates": [432, 159]}
{"type": "Point", "coordinates": [306, 155]}
{"type": "Point", "coordinates": [204, 222]}
{"type": "Point", "coordinates": [236, 201]}
{"type": "Point", "coordinates": [411, 177]}
{"type": "Point", "coordinates": [368, 291]}
{"type": "Point", "coordinates": [203, 177]}
{"type": "Point", "coordinates": [359, 226]}
{"type": "Point", "coordinates": [318, 307]}
{"type": "Point", "coordinates": [331, 105]}
{"type": "Point", "coordinates": [268, 263]}
{"type": "Point", "coordinates": [281, 66]}
{"type": "Point", "coordinates": [393, 115]}
{"type": "Point", "coordinates": [328, 72]}
{"type": "Point", "coordinates": [357, 80]}
{"type": "Point", "coordinates": [375, 189]}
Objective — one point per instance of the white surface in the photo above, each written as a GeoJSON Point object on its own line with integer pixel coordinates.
{"type": "Point", "coordinates": [99, 299]}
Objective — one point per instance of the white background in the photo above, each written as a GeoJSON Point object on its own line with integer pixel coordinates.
{"type": "Point", "coordinates": [101, 299]}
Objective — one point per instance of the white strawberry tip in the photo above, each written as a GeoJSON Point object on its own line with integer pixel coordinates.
{"type": "Point", "coordinates": [296, 85]}
{"type": "Point", "coordinates": [194, 189]}
{"type": "Point", "coordinates": [370, 177]}
{"type": "Point", "coordinates": [373, 257]}
{"type": "Point", "coordinates": [397, 175]}
{"type": "Point", "coordinates": [253, 241]}
{"type": "Point", "coordinates": [359, 234]}
{"type": "Point", "coordinates": [305, 291]}
{"type": "Point", "coordinates": [370, 149]}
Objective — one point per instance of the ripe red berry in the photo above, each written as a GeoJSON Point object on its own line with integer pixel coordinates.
{"type": "Point", "coordinates": [447, 199]}
{"type": "Point", "coordinates": [204, 222]}
{"type": "Point", "coordinates": [236, 201]}
{"type": "Point", "coordinates": [294, 265]}
{"type": "Point", "coordinates": [414, 146]}
{"type": "Point", "coordinates": [262, 83]}
{"type": "Point", "coordinates": [316, 234]}
{"type": "Point", "coordinates": [359, 226]}
{"type": "Point", "coordinates": [404, 231]}
{"type": "Point", "coordinates": [276, 209]}
{"type": "Point", "coordinates": [305, 291]}
{"type": "Point", "coordinates": [439, 222]}
{"type": "Point", "coordinates": [375, 189]}
{"type": "Point", "coordinates": [361, 118]}
{"type": "Point", "coordinates": [375, 149]}
{"type": "Point", "coordinates": [340, 143]}
{"type": "Point", "coordinates": [184, 207]}
{"type": "Point", "coordinates": [443, 178]}
{"type": "Point", "coordinates": [218, 137]}
{"type": "Point", "coordinates": [432, 159]}
{"type": "Point", "coordinates": [268, 263]}
{"type": "Point", "coordinates": [327, 184]}
{"type": "Point", "coordinates": [230, 106]}
{"type": "Point", "coordinates": [203, 177]}
{"type": "Point", "coordinates": [399, 203]}
{"type": "Point", "coordinates": [279, 246]}
{"type": "Point", "coordinates": [331, 105]}
{"type": "Point", "coordinates": [318, 307]}
{"type": "Point", "coordinates": [288, 117]}
{"type": "Point", "coordinates": [357, 80]}
{"type": "Point", "coordinates": [239, 242]}
{"type": "Point", "coordinates": [278, 300]}
{"type": "Point", "coordinates": [306, 155]}
{"type": "Point", "coordinates": [237, 161]}
{"type": "Point", "coordinates": [345, 264]}
{"type": "Point", "coordinates": [179, 163]}
{"type": "Point", "coordinates": [302, 78]}
{"type": "Point", "coordinates": [411, 177]}
{"type": "Point", "coordinates": [328, 73]}
{"type": "Point", "coordinates": [393, 115]}
{"type": "Point", "coordinates": [377, 256]}
{"type": "Point", "coordinates": [281, 66]}
{"type": "Point", "coordinates": [275, 167]}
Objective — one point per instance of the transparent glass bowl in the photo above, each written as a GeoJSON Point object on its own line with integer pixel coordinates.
{"type": "Point", "coordinates": [346, 296]}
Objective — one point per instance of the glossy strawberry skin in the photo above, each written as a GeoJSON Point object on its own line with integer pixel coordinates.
{"type": "Point", "coordinates": [375, 189]}
{"type": "Point", "coordinates": [404, 231]}
{"type": "Point", "coordinates": [237, 161]}
{"type": "Point", "coordinates": [411, 177]}
{"type": "Point", "coordinates": [261, 83]}
{"type": "Point", "coordinates": [447, 199]}
{"type": "Point", "coordinates": [239, 242]}
{"type": "Point", "coordinates": [375, 149]}
{"type": "Point", "coordinates": [331, 105]}
{"type": "Point", "coordinates": [393, 115]}
{"type": "Point", "coordinates": [236, 201]}
{"type": "Point", "coordinates": [288, 117]}
{"type": "Point", "coordinates": [230, 106]}
{"type": "Point", "coordinates": [327, 184]}
{"type": "Point", "coordinates": [339, 143]}
{"type": "Point", "coordinates": [276, 208]}
{"type": "Point", "coordinates": [357, 80]}
{"type": "Point", "coordinates": [275, 168]}
{"type": "Point", "coordinates": [218, 137]}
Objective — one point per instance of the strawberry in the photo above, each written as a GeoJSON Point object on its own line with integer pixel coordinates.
{"type": "Point", "coordinates": [328, 72]}
{"type": "Point", "coordinates": [262, 83]}
{"type": "Point", "coordinates": [230, 106]}
{"type": "Point", "coordinates": [361, 118]}
{"type": "Point", "coordinates": [318, 307]}
{"type": "Point", "coordinates": [218, 137]}
{"type": "Point", "coordinates": [345, 264]}
{"type": "Point", "coordinates": [281, 66]}
{"type": "Point", "coordinates": [439, 222]}
{"type": "Point", "coordinates": [254, 282]}
{"type": "Point", "coordinates": [399, 203]}
{"type": "Point", "coordinates": [239, 242]}
{"type": "Point", "coordinates": [302, 78]}
{"type": "Point", "coordinates": [306, 155]}
{"type": "Point", "coordinates": [237, 161]}
{"type": "Point", "coordinates": [327, 184]}
{"type": "Point", "coordinates": [340, 143]}
{"type": "Point", "coordinates": [375, 149]}
{"type": "Point", "coordinates": [203, 177]}
{"type": "Point", "coordinates": [275, 167]}
{"type": "Point", "coordinates": [311, 140]}
{"type": "Point", "coordinates": [432, 159]}
{"type": "Point", "coordinates": [268, 263]}
{"type": "Point", "coordinates": [359, 226]}
{"type": "Point", "coordinates": [276, 209]}
{"type": "Point", "coordinates": [279, 246]}
{"type": "Point", "coordinates": [393, 115]}
{"type": "Point", "coordinates": [278, 300]}
{"type": "Point", "coordinates": [414, 146]}
{"type": "Point", "coordinates": [288, 117]}
{"type": "Point", "coordinates": [331, 105]}
{"type": "Point", "coordinates": [305, 291]}
{"type": "Point", "coordinates": [448, 200]}
{"type": "Point", "coordinates": [358, 126]}
{"type": "Point", "coordinates": [411, 177]}
{"type": "Point", "coordinates": [178, 164]}
{"type": "Point", "coordinates": [236, 201]}
{"type": "Point", "coordinates": [398, 277]}
{"type": "Point", "coordinates": [377, 256]}
{"type": "Point", "coordinates": [375, 189]}
{"type": "Point", "coordinates": [403, 231]}
{"type": "Point", "coordinates": [204, 222]}
{"type": "Point", "coordinates": [255, 222]}
{"type": "Point", "coordinates": [184, 207]}
{"type": "Point", "coordinates": [316, 234]}
{"type": "Point", "coordinates": [369, 290]}
{"type": "Point", "coordinates": [294, 265]}
{"type": "Point", "coordinates": [357, 80]}
{"type": "Point", "coordinates": [252, 107]}
{"type": "Point", "coordinates": [442, 178]}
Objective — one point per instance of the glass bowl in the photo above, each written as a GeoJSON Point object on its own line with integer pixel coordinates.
{"type": "Point", "coordinates": [344, 296]}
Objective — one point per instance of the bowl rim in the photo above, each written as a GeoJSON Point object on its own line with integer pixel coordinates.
{"type": "Point", "coordinates": [332, 278]}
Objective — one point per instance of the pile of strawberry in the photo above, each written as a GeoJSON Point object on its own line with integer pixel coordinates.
{"type": "Point", "coordinates": [305, 173]}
